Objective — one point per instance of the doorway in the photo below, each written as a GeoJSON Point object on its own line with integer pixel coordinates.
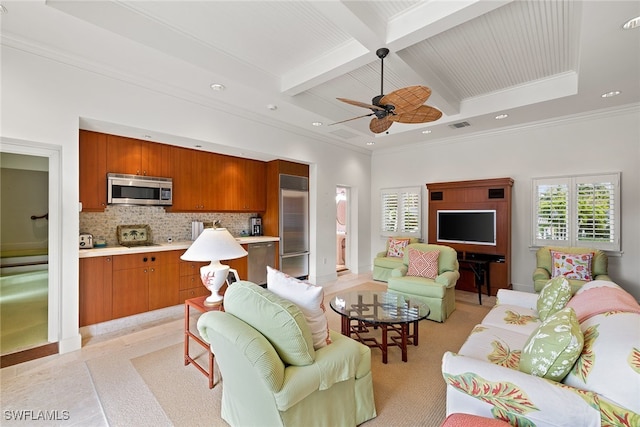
{"type": "Point", "coordinates": [342, 215]}
{"type": "Point", "coordinates": [28, 308]}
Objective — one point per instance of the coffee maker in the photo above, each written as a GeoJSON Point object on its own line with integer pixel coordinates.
{"type": "Point", "coordinates": [255, 226]}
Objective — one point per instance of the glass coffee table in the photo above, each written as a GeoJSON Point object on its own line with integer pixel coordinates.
{"type": "Point", "coordinates": [396, 315]}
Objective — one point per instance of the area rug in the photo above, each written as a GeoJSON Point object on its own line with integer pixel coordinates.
{"type": "Point", "coordinates": [406, 393]}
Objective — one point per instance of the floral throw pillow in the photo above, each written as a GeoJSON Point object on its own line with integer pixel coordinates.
{"type": "Point", "coordinates": [553, 348]}
{"type": "Point", "coordinates": [571, 266]}
{"type": "Point", "coordinates": [396, 247]}
{"type": "Point", "coordinates": [553, 297]}
{"type": "Point", "coordinates": [423, 264]}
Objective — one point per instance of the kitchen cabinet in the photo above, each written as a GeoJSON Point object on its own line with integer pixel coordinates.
{"type": "Point", "coordinates": [145, 281]}
{"type": "Point", "coordinates": [202, 181]}
{"type": "Point", "coordinates": [190, 284]}
{"type": "Point", "coordinates": [211, 182]}
{"type": "Point", "coordinates": [93, 171]}
{"type": "Point", "coordinates": [247, 182]}
{"type": "Point", "coordinates": [95, 290]}
{"type": "Point", "coordinates": [197, 183]}
{"type": "Point", "coordinates": [136, 157]}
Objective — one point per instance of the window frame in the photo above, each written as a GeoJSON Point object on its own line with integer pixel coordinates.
{"type": "Point", "coordinates": [399, 229]}
{"type": "Point", "coordinates": [572, 227]}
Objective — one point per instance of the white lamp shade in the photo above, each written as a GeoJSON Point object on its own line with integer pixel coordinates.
{"type": "Point", "coordinates": [214, 244]}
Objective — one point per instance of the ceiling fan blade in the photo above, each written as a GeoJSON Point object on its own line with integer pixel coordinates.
{"type": "Point", "coordinates": [406, 99]}
{"type": "Point", "coordinates": [422, 114]}
{"type": "Point", "coordinates": [348, 120]}
{"type": "Point", "coordinates": [380, 125]}
{"type": "Point", "coordinates": [360, 104]}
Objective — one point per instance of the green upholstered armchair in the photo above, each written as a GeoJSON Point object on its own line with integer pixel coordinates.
{"type": "Point", "coordinates": [543, 271]}
{"type": "Point", "coordinates": [438, 293]}
{"type": "Point", "coordinates": [383, 264]}
{"type": "Point", "coordinates": [271, 374]}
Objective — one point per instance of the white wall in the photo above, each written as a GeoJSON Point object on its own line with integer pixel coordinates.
{"type": "Point", "coordinates": [604, 142]}
{"type": "Point", "coordinates": [44, 100]}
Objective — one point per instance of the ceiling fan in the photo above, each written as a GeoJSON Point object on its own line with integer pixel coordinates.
{"type": "Point", "coordinates": [403, 105]}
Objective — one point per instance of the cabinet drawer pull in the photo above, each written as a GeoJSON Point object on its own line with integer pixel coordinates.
{"type": "Point", "coordinates": [153, 258]}
{"type": "Point", "coordinates": [145, 270]}
{"type": "Point", "coordinates": [144, 259]}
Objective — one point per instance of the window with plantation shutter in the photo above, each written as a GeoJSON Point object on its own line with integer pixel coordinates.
{"type": "Point", "coordinates": [401, 211]}
{"type": "Point", "coordinates": [577, 211]}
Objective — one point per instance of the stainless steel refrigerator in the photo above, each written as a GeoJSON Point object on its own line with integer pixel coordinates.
{"type": "Point", "coordinates": [294, 225]}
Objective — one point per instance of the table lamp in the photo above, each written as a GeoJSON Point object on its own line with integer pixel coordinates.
{"type": "Point", "coordinates": [214, 244]}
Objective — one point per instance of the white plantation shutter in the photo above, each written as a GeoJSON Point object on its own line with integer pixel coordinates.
{"type": "Point", "coordinates": [401, 211]}
{"type": "Point", "coordinates": [597, 211]}
{"type": "Point", "coordinates": [552, 216]}
{"type": "Point", "coordinates": [389, 212]}
{"type": "Point", "coordinates": [577, 211]}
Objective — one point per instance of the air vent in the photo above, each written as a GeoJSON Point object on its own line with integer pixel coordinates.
{"type": "Point", "coordinates": [459, 125]}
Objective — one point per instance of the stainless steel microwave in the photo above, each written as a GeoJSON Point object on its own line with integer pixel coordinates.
{"type": "Point", "coordinates": [139, 190]}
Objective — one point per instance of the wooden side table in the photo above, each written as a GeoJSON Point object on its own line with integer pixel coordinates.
{"type": "Point", "coordinates": [198, 304]}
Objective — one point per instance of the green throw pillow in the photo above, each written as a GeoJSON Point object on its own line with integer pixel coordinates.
{"type": "Point", "coordinates": [553, 347]}
{"type": "Point", "coordinates": [279, 320]}
{"type": "Point", "coordinates": [553, 297]}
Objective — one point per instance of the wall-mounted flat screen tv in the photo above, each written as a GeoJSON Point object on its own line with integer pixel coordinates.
{"type": "Point", "coordinates": [477, 227]}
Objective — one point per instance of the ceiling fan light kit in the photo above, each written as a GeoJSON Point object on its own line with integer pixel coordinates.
{"type": "Point", "coordinates": [405, 105]}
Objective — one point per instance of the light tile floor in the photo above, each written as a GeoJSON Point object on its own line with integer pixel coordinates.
{"type": "Point", "coordinates": [60, 386]}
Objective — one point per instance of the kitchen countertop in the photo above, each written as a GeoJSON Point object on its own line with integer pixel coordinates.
{"type": "Point", "coordinates": [175, 246]}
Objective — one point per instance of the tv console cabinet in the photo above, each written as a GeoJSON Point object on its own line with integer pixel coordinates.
{"type": "Point", "coordinates": [485, 267]}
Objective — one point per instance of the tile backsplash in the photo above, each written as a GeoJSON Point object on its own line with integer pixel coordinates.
{"type": "Point", "coordinates": [163, 224]}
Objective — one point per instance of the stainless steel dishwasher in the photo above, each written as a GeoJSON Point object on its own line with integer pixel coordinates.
{"type": "Point", "coordinates": [260, 256]}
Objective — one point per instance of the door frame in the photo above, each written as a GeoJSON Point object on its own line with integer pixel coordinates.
{"type": "Point", "coordinates": [28, 148]}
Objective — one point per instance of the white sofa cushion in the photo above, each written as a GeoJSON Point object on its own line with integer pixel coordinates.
{"type": "Point", "coordinates": [514, 318]}
{"type": "Point", "coordinates": [610, 360]}
{"type": "Point", "coordinates": [496, 345]}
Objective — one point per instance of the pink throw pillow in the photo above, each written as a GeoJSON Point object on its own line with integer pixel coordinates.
{"type": "Point", "coordinates": [396, 247]}
{"type": "Point", "coordinates": [423, 264]}
{"type": "Point", "coordinates": [571, 266]}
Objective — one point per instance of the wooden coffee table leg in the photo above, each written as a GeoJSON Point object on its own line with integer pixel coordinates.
{"type": "Point", "coordinates": [403, 338]}
{"type": "Point", "coordinates": [384, 343]}
{"type": "Point", "coordinates": [415, 333]}
{"type": "Point", "coordinates": [345, 326]}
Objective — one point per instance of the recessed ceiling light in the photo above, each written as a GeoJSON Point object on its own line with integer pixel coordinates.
{"type": "Point", "coordinates": [217, 86]}
{"type": "Point", "coordinates": [3, 10]}
{"type": "Point", "coordinates": [317, 124]}
{"type": "Point", "coordinates": [146, 136]}
{"type": "Point", "coordinates": [632, 23]}
{"type": "Point", "coordinates": [198, 146]}
{"type": "Point", "coordinates": [426, 131]}
{"type": "Point", "coordinates": [272, 107]}
{"type": "Point", "coordinates": [610, 94]}
{"type": "Point", "coordinates": [371, 143]}
{"type": "Point", "coordinates": [501, 116]}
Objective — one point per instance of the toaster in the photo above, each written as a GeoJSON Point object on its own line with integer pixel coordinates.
{"type": "Point", "coordinates": [86, 241]}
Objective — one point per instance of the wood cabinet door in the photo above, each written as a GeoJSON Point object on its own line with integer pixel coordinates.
{"type": "Point", "coordinates": [124, 155]}
{"type": "Point", "coordinates": [182, 179]}
{"type": "Point", "coordinates": [95, 290]}
{"type": "Point", "coordinates": [93, 171]}
{"type": "Point", "coordinates": [130, 291]}
{"type": "Point", "coordinates": [164, 285]}
{"type": "Point", "coordinates": [255, 190]}
{"type": "Point", "coordinates": [155, 159]}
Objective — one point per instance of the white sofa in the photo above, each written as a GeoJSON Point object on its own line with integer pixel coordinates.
{"type": "Point", "coordinates": [602, 387]}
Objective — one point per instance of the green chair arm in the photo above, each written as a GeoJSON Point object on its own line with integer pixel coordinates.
{"type": "Point", "coordinates": [448, 278]}
{"type": "Point", "coordinates": [381, 254]}
{"type": "Point", "coordinates": [399, 271]}
{"type": "Point", "coordinates": [541, 274]}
